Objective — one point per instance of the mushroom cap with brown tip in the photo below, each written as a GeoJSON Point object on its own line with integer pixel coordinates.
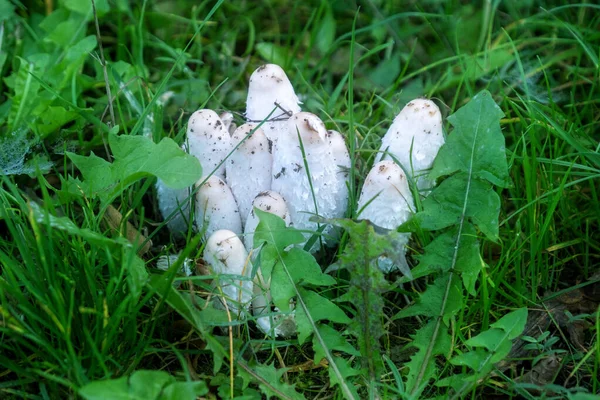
{"type": "Point", "coordinates": [228, 259]}
{"type": "Point", "coordinates": [414, 139]}
{"type": "Point", "coordinates": [209, 141]}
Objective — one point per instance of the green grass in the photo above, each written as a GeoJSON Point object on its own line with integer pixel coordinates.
{"type": "Point", "coordinates": [73, 304]}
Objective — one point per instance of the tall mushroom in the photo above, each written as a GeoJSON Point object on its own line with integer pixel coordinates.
{"type": "Point", "coordinates": [174, 203]}
{"type": "Point", "coordinates": [297, 185]}
{"type": "Point", "coordinates": [248, 169]}
{"type": "Point", "coordinates": [414, 139]}
{"type": "Point", "coordinates": [267, 201]}
{"type": "Point", "coordinates": [216, 208]}
{"type": "Point", "coordinates": [386, 201]}
{"type": "Point", "coordinates": [228, 259]}
{"type": "Point", "coordinates": [271, 92]}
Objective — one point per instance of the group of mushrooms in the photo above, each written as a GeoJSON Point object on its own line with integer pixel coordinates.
{"type": "Point", "coordinates": [284, 161]}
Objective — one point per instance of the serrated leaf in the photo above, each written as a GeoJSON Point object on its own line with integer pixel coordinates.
{"type": "Point", "coordinates": [512, 323]}
{"type": "Point", "coordinates": [476, 146]}
{"type": "Point", "coordinates": [269, 381]}
{"type": "Point", "coordinates": [419, 369]}
{"type": "Point", "coordinates": [457, 196]}
{"type": "Point", "coordinates": [438, 255]}
{"type": "Point", "coordinates": [320, 309]}
{"type": "Point", "coordinates": [334, 341]}
{"type": "Point", "coordinates": [346, 372]}
{"type": "Point", "coordinates": [433, 301]}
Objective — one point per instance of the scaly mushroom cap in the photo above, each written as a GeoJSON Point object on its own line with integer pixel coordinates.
{"type": "Point", "coordinates": [270, 88]}
{"type": "Point", "coordinates": [387, 200]}
{"type": "Point", "coordinates": [419, 125]}
{"type": "Point", "coordinates": [267, 201]}
{"type": "Point", "coordinates": [209, 141]}
{"type": "Point", "coordinates": [226, 255]}
{"type": "Point", "coordinates": [290, 178]}
{"type": "Point", "coordinates": [249, 167]}
{"type": "Point", "coordinates": [216, 208]}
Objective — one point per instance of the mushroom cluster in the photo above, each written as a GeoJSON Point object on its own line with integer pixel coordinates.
{"type": "Point", "coordinates": [284, 161]}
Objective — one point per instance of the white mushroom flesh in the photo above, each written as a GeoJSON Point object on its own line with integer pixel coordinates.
{"type": "Point", "coordinates": [386, 201]}
{"type": "Point", "coordinates": [248, 169]}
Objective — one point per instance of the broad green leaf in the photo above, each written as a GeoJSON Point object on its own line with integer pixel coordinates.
{"type": "Point", "coordinates": [85, 7]}
{"type": "Point", "coordinates": [25, 88]}
{"type": "Point", "coordinates": [138, 155]}
{"type": "Point", "coordinates": [457, 196]}
{"type": "Point", "coordinates": [98, 173]}
{"type": "Point", "coordinates": [271, 229]}
{"type": "Point", "coordinates": [7, 10]}
{"type": "Point", "coordinates": [512, 323]}
{"type": "Point", "coordinates": [54, 118]}
{"type": "Point", "coordinates": [476, 145]}
{"type": "Point", "coordinates": [143, 385]}
{"type": "Point", "coordinates": [320, 309]}
{"type": "Point", "coordinates": [334, 341]}
{"type": "Point", "coordinates": [272, 53]}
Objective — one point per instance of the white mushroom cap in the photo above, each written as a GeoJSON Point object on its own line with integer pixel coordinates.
{"type": "Point", "coordinates": [209, 141]}
{"type": "Point", "coordinates": [269, 89]}
{"type": "Point", "coordinates": [419, 125]}
{"type": "Point", "coordinates": [228, 123]}
{"type": "Point", "coordinates": [269, 85]}
{"type": "Point", "coordinates": [268, 201]}
{"type": "Point", "coordinates": [387, 200]}
{"type": "Point", "coordinates": [216, 208]}
{"type": "Point", "coordinates": [249, 167]}
{"type": "Point", "coordinates": [290, 178]}
{"type": "Point", "coordinates": [226, 255]}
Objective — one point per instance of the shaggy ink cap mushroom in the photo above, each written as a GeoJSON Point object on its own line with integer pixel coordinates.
{"type": "Point", "coordinates": [290, 177]}
{"type": "Point", "coordinates": [414, 139]}
{"type": "Point", "coordinates": [386, 201]}
{"type": "Point", "coordinates": [216, 208]}
{"type": "Point", "coordinates": [248, 169]}
{"type": "Point", "coordinates": [269, 88]}
{"type": "Point", "coordinates": [209, 141]}
{"type": "Point", "coordinates": [267, 201]}
{"type": "Point", "coordinates": [227, 258]}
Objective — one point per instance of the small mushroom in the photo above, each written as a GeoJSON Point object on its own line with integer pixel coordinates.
{"type": "Point", "coordinates": [273, 324]}
{"type": "Point", "coordinates": [268, 201]}
{"type": "Point", "coordinates": [248, 169]}
{"type": "Point", "coordinates": [216, 208]}
{"type": "Point", "coordinates": [386, 201]}
{"type": "Point", "coordinates": [416, 132]}
{"type": "Point", "coordinates": [270, 89]}
{"type": "Point", "coordinates": [228, 259]}
{"type": "Point", "coordinates": [209, 141]}
{"type": "Point", "coordinates": [291, 179]}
